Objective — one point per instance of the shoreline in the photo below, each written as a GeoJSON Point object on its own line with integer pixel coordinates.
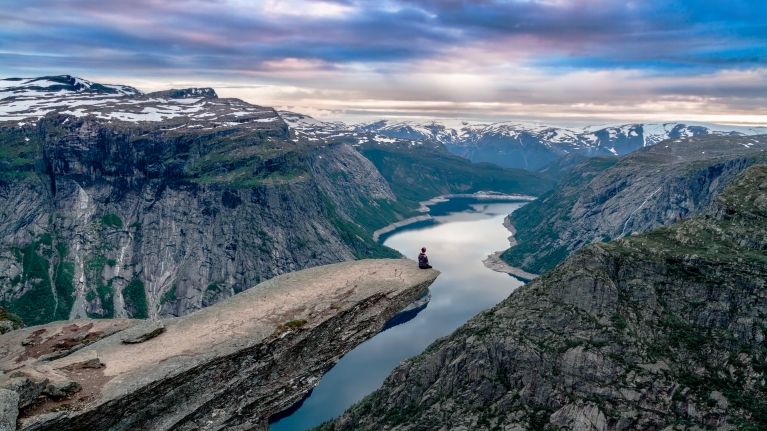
{"type": "Point", "coordinates": [495, 263]}
{"type": "Point", "coordinates": [479, 195]}
{"type": "Point", "coordinates": [424, 208]}
{"type": "Point", "coordinates": [384, 230]}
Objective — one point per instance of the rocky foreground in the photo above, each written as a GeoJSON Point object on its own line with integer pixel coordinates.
{"type": "Point", "coordinates": [661, 330]}
{"type": "Point", "coordinates": [229, 366]}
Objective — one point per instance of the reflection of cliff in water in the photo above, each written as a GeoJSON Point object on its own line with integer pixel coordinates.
{"type": "Point", "coordinates": [409, 312]}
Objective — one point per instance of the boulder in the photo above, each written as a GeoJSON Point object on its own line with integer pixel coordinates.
{"type": "Point", "coordinates": [143, 332]}
{"type": "Point", "coordinates": [27, 389]}
{"type": "Point", "coordinates": [9, 409]}
{"type": "Point", "coordinates": [61, 389]}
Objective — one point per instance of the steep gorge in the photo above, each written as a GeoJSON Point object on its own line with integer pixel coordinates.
{"type": "Point", "coordinates": [660, 330]}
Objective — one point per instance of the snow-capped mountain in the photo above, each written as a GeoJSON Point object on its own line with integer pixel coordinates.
{"type": "Point", "coordinates": [410, 130]}
{"type": "Point", "coordinates": [194, 108]}
{"type": "Point", "coordinates": [533, 145]}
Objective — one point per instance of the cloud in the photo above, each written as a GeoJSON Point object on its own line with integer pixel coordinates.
{"type": "Point", "coordinates": [464, 55]}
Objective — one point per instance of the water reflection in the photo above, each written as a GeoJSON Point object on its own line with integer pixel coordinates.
{"type": "Point", "coordinates": [463, 232]}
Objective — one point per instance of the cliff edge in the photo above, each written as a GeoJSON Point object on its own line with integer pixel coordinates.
{"type": "Point", "coordinates": [228, 366]}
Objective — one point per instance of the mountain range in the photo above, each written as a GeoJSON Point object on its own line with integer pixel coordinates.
{"type": "Point", "coordinates": [526, 145]}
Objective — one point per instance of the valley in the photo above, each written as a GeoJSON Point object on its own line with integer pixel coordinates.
{"type": "Point", "coordinates": [660, 329]}
{"type": "Point", "coordinates": [158, 217]}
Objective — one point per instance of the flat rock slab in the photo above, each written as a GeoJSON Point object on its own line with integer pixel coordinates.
{"type": "Point", "coordinates": [226, 360]}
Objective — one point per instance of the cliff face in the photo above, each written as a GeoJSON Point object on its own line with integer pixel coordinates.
{"type": "Point", "coordinates": [103, 215]}
{"type": "Point", "coordinates": [226, 367]}
{"type": "Point", "coordinates": [605, 198]}
{"type": "Point", "coordinates": [659, 330]}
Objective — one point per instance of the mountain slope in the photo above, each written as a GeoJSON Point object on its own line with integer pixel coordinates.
{"type": "Point", "coordinates": [660, 330]}
{"type": "Point", "coordinates": [603, 199]}
{"type": "Point", "coordinates": [418, 170]}
{"type": "Point", "coordinates": [160, 204]}
{"type": "Point", "coordinates": [559, 167]}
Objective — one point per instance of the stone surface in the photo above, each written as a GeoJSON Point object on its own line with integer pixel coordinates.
{"type": "Point", "coordinates": [660, 330]}
{"type": "Point", "coordinates": [254, 354]}
{"type": "Point", "coordinates": [9, 409]}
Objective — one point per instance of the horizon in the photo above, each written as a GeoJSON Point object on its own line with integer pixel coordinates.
{"type": "Point", "coordinates": [566, 62]}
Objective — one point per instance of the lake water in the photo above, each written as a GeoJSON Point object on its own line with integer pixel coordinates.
{"type": "Point", "coordinates": [463, 233]}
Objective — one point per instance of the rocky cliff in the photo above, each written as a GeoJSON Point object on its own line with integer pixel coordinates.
{"type": "Point", "coordinates": [254, 354]}
{"type": "Point", "coordinates": [605, 198]}
{"type": "Point", "coordinates": [661, 330]}
{"type": "Point", "coordinates": [161, 204]}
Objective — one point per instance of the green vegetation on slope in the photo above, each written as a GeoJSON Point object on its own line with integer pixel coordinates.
{"type": "Point", "coordinates": [355, 235]}
{"type": "Point", "coordinates": [135, 299]}
{"type": "Point", "coordinates": [7, 316]}
{"type": "Point", "coordinates": [532, 222]}
{"type": "Point", "coordinates": [420, 172]}
{"type": "Point", "coordinates": [37, 304]}
{"type": "Point", "coordinates": [63, 282]}
{"type": "Point", "coordinates": [605, 198]}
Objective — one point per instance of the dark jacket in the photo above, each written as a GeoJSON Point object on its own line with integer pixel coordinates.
{"type": "Point", "coordinates": [423, 260]}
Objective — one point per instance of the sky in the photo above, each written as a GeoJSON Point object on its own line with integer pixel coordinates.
{"type": "Point", "coordinates": [562, 62]}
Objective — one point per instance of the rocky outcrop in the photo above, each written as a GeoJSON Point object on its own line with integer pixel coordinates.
{"type": "Point", "coordinates": [661, 330]}
{"type": "Point", "coordinates": [606, 198]}
{"type": "Point", "coordinates": [9, 321]}
{"type": "Point", "coordinates": [254, 354]}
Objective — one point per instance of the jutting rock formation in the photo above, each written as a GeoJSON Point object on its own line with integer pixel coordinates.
{"type": "Point", "coordinates": [229, 366]}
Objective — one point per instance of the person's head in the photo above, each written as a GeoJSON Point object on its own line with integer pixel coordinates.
{"type": "Point", "coordinates": [423, 249]}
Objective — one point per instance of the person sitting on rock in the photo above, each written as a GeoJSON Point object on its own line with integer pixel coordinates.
{"type": "Point", "coordinates": [423, 260]}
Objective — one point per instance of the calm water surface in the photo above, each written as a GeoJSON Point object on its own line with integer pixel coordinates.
{"type": "Point", "coordinates": [464, 232]}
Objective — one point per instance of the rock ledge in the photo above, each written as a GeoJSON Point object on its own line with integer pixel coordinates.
{"type": "Point", "coordinates": [228, 366]}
